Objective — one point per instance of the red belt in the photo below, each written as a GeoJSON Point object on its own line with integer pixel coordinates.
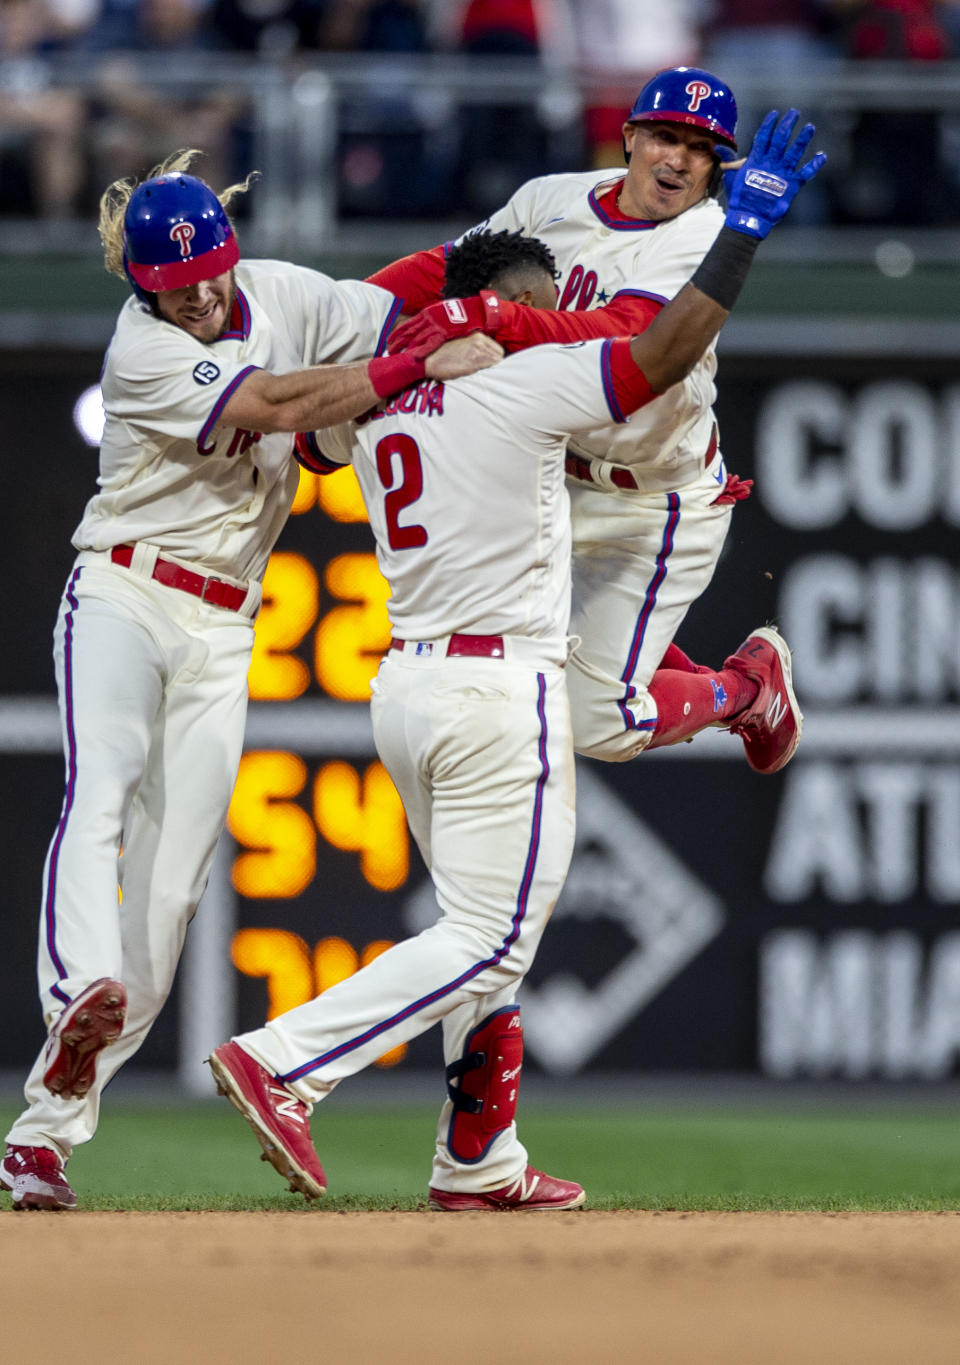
{"type": "Point", "coordinates": [579, 468]}
{"type": "Point", "coordinates": [213, 590]}
{"type": "Point", "coordinates": [471, 646]}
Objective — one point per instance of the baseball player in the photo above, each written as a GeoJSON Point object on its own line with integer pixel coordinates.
{"type": "Point", "coordinates": [651, 501]}
{"type": "Point", "coordinates": [464, 484]}
{"type": "Point", "coordinates": [214, 365]}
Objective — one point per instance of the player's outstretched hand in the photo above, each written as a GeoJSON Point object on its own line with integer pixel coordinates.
{"type": "Point", "coordinates": [464, 355]}
{"type": "Point", "coordinates": [767, 183]}
{"type": "Point", "coordinates": [444, 321]}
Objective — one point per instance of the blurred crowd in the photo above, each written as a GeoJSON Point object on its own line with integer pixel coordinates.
{"type": "Point", "coordinates": [77, 109]}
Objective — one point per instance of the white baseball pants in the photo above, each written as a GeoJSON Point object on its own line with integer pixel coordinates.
{"type": "Point", "coordinates": [482, 755]}
{"type": "Point", "coordinates": [152, 687]}
{"type": "Point", "coordinates": [639, 561]}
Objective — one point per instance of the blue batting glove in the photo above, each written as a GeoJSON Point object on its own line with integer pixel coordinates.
{"type": "Point", "coordinates": [767, 183]}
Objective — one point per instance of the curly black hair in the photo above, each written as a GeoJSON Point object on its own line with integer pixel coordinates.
{"type": "Point", "coordinates": [484, 257]}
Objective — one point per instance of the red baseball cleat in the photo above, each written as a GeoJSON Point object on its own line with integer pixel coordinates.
{"type": "Point", "coordinates": [532, 1190]}
{"type": "Point", "coordinates": [770, 726]}
{"type": "Point", "coordinates": [90, 1023]}
{"type": "Point", "coordinates": [279, 1120]}
{"type": "Point", "coordinates": [35, 1178]}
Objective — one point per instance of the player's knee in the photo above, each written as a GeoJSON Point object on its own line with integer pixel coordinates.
{"type": "Point", "coordinates": [481, 931]}
{"type": "Point", "coordinates": [615, 748]}
{"type": "Point", "coordinates": [607, 726]}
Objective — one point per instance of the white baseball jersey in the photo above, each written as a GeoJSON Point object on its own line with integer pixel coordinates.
{"type": "Point", "coordinates": [170, 474]}
{"type": "Point", "coordinates": [464, 484]}
{"type": "Point", "coordinates": [152, 680]}
{"type": "Point", "coordinates": [599, 257]}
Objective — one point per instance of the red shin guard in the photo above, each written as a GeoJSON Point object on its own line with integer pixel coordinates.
{"type": "Point", "coordinates": [485, 1100]}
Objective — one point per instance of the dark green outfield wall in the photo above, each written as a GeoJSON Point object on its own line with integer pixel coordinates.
{"type": "Point", "coordinates": [77, 285]}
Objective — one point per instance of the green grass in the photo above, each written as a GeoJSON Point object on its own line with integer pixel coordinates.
{"type": "Point", "coordinates": [204, 1156]}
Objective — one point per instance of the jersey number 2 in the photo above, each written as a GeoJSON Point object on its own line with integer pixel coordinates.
{"type": "Point", "coordinates": [409, 490]}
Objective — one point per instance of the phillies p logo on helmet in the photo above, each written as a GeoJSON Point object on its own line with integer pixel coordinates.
{"type": "Point", "coordinates": [698, 92]}
{"type": "Point", "coordinates": [175, 233]}
{"type": "Point", "coordinates": [183, 233]}
{"type": "Point", "coordinates": [692, 96]}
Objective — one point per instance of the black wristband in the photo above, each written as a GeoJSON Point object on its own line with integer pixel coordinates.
{"type": "Point", "coordinates": [723, 270]}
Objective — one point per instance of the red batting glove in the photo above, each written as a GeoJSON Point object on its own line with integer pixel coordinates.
{"type": "Point", "coordinates": [734, 490]}
{"type": "Point", "coordinates": [444, 321]}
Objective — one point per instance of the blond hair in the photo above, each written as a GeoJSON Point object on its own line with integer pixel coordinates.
{"type": "Point", "coordinates": [114, 201]}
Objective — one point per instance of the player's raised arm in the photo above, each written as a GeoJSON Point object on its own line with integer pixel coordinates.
{"type": "Point", "coordinates": [760, 195]}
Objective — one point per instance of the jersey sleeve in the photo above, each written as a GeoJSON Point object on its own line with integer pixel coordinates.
{"type": "Point", "coordinates": [172, 387]}
{"type": "Point", "coordinates": [563, 390]}
{"type": "Point", "coordinates": [326, 451]}
{"type": "Point", "coordinates": [346, 319]}
{"type": "Point", "coordinates": [627, 387]}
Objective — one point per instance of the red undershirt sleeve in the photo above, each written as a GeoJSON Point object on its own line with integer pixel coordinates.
{"type": "Point", "coordinates": [626, 315]}
{"type": "Point", "coordinates": [416, 280]}
{"type": "Point", "coordinates": [622, 376]}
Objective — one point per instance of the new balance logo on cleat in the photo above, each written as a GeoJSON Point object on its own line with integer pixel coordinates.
{"type": "Point", "coordinates": [777, 710]}
{"type": "Point", "coordinates": [288, 1107]}
{"type": "Point", "coordinates": [280, 1121]}
{"type": "Point", "coordinates": [521, 1191]}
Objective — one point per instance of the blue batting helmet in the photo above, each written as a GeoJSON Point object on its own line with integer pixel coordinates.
{"type": "Point", "coordinates": [687, 94]}
{"type": "Point", "coordinates": [175, 233]}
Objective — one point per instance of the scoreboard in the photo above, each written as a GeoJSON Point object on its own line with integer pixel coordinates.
{"type": "Point", "coordinates": [802, 925]}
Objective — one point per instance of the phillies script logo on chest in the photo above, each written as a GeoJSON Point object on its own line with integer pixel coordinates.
{"type": "Point", "coordinates": [182, 234]}
{"type": "Point", "coordinates": [240, 442]}
{"type": "Point", "coordinates": [698, 92]}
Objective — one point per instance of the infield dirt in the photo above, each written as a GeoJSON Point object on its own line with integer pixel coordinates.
{"type": "Point", "coordinates": [502, 1289]}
